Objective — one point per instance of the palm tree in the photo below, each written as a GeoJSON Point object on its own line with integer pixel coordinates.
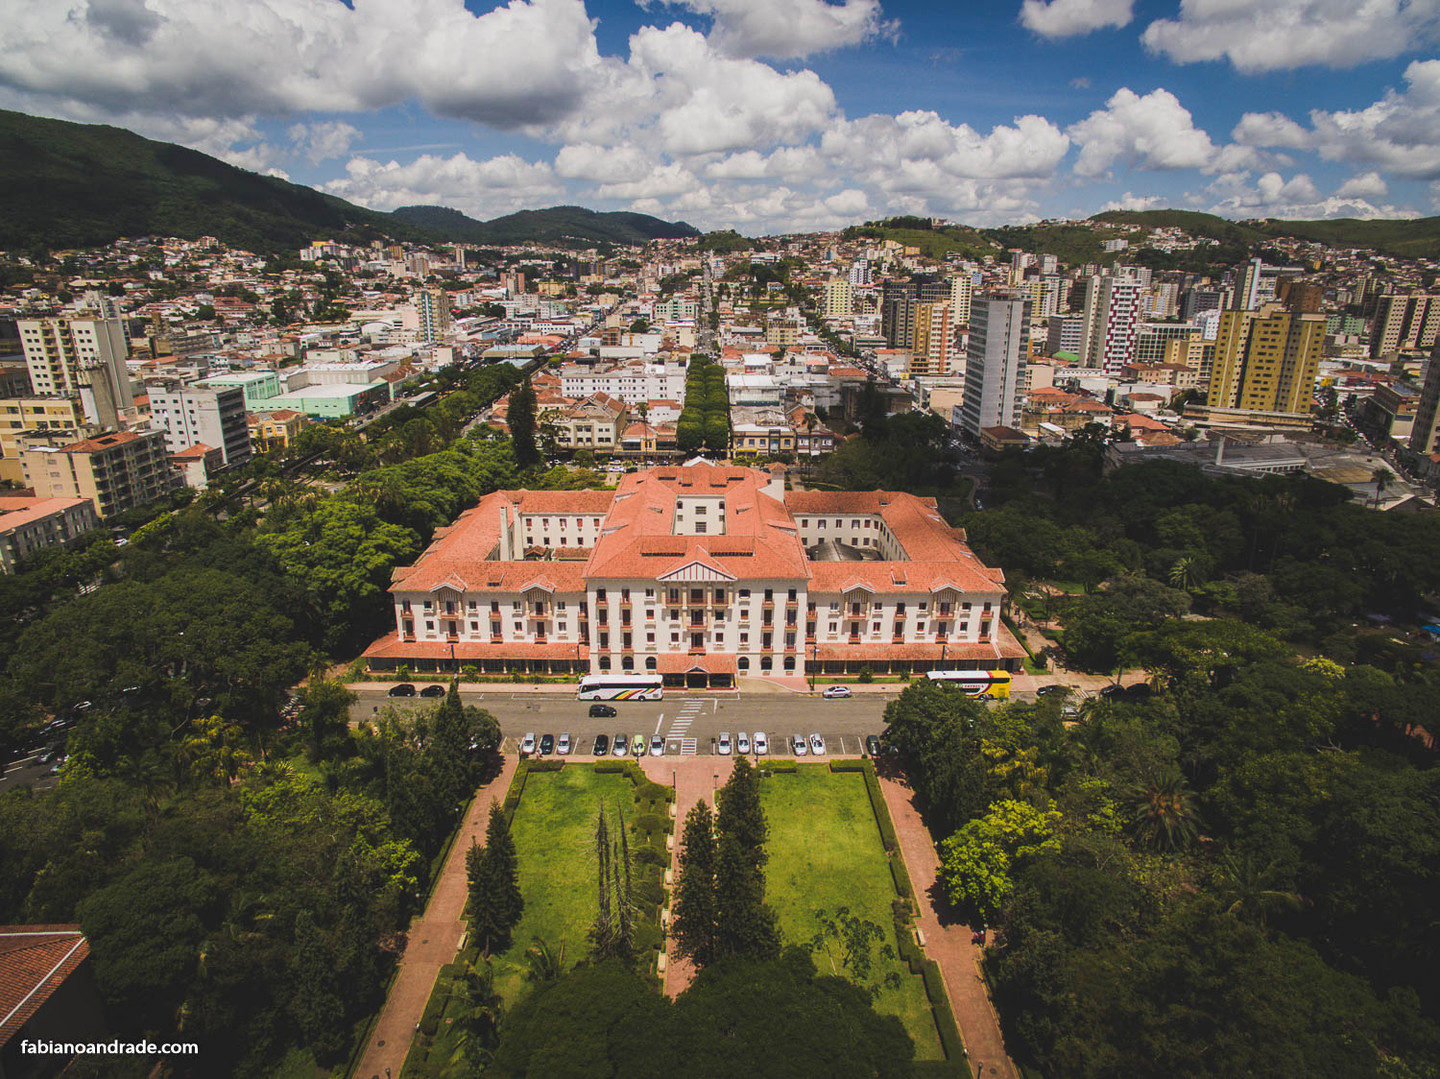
{"type": "Point", "coordinates": [545, 964]}
{"type": "Point", "coordinates": [1186, 574]}
{"type": "Point", "coordinates": [479, 1019]}
{"type": "Point", "coordinates": [1382, 478]}
{"type": "Point", "coordinates": [1252, 892]}
{"type": "Point", "coordinates": [1165, 814]}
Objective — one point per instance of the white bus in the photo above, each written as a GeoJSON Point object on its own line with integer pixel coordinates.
{"type": "Point", "coordinates": [621, 687]}
{"type": "Point", "coordinates": [985, 684]}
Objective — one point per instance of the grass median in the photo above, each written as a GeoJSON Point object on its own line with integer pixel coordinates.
{"type": "Point", "coordinates": [826, 853]}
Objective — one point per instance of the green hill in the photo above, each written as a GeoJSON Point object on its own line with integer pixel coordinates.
{"type": "Point", "coordinates": [82, 185]}
{"type": "Point", "coordinates": [1408, 238]}
{"type": "Point", "coordinates": [556, 225]}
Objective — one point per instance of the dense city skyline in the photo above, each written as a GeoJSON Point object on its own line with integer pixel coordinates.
{"type": "Point", "coordinates": [771, 117]}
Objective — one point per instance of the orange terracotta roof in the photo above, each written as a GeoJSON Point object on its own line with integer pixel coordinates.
{"type": "Point", "coordinates": [391, 647]}
{"type": "Point", "coordinates": [34, 961]}
{"type": "Point", "coordinates": [1004, 646]}
{"type": "Point", "coordinates": [683, 664]}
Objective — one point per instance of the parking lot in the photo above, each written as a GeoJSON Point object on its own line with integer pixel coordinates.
{"type": "Point", "coordinates": [689, 724]}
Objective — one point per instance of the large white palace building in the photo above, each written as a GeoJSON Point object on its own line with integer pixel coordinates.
{"type": "Point", "coordinates": [702, 573]}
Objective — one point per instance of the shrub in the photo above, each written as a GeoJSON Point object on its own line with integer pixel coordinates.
{"type": "Point", "coordinates": [435, 1007]}
{"type": "Point", "coordinates": [547, 765]}
{"type": "Point", "coordinates": [609, 768]}
{"type": "Point", "coordinates": [648, 855]}
{"type": "Point", "coordinates": [944, 1017]}
{"type": "Point", "coordinates": [778, 768]}
{"type": "Point", "coordinates": [900, 877]}
{"type": "Point", "coordinates": [848, 765]}
{"type": "Point", "coordinates": [864, 674]}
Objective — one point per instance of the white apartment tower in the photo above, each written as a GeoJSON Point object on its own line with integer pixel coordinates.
{"type": "Point", "coordinates": [213, 417]}
{"type": "Point", "coordinates": [995, 358]}
{"type": "Point", "coordinates": [79, 357]}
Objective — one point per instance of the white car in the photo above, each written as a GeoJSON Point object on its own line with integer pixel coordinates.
{"type": "Point", "coordinates": [817, 745]}
{"type": "Point", "coordinates": [742, 743]}
{"type": "Point", "coordinates": [724, 743]}
{"type": "Point", "coordinates": [562, 747]}
{"type": "Point", "coordinates": [836, 691]}
{"type": "Point", "coordinates": [797, 743]}
{"type": "Point", "coordinates": [761, 743]}
{"type": "Point", "coordinates": [527, 744]}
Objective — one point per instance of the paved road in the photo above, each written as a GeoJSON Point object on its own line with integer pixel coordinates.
{"type": "Point", "coordinates": [687, 722]}
{"type": "Point", "coordinates": [28, 772]}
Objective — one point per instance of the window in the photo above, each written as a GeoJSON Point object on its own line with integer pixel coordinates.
{"type": "Point", "coordinates": [874, 627]}
{"type": "Point", "coordinates": [855, 523]}
{"type": "Point", "coordinates": [560, 606]}
{"type": "Point", "coordinates": [674, 615]}
{"type": "Point", "coordinates": [474, 627]}
{"type": "Point", "coordinates": [649, 638]}
{"type": "Point", "coordinates": [625, 640]}
{"type": "Point", "coordinates": [942, 629]}
{"type": "Point", "coordinates": [429, 626]}
{"type": "Point", "coordinates": [649, 593]}
{"type": "Point", "coordinates": [599, 595]}
{"type": "Point", "coordinates": [699, 510]}
{"type": "Point", "coordinates": [834, 604]}
{"type": "Point", "coordinates": [744, 638]}
{"type": "Point", "coordinates": [700, 528]}
{"type": "Point", "coordinates": [834, 627]}
{"type": "Point", "coordinates": [517, 606]}
{"type": "Point", "coordinates": [519, 627]}
{"type": "Point", "coordinates": [604, 640]}
{"type": "Point", "coordinates": [769, 595]}
{"type": "Point", "coordinates": [494, 629]}
{"type": "Point", "coordinates": [743, 663]}
{"type": "Point", "coordinates": [719, 595]}
{"type": "Point", "coordinates": [820, 524]}
{"type": "Point", "coordinates": [494, 606]}
{"type": "Point", "coordinates": [919, 627]}
{"type": "Point", "coordinates": [744, 593]}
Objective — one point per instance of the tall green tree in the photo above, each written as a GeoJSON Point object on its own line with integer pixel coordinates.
{"type": "Point", "coordinates": [693, 924]}
{"type": "Point", "coordinates": [494, 879]}
{"type": "Point", "coordinates": [521, 419]}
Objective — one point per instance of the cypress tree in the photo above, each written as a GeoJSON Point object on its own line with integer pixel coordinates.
{"type": "Point", "coordinates": [740, 814]}
{"type": "Point", "coordinates": [521, 418]}
{"type": "Point", "coordinates": [624, 946]}
{"type": "Point", "coordinates": [505, 867]}
{"type": "Point", "coordinates": [745, 926]}
{"type": "Point", "coordinates": [693, 925]}
{"type": "Point", "coordinates": [493, 874]}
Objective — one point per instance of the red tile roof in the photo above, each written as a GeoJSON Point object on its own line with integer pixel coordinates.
{"type": "Point", "coordinates": [391, 647]}
{"type": "Point", "coordinates": [34, 961]}
{"type": "Point", "coordinates": [683, 664]}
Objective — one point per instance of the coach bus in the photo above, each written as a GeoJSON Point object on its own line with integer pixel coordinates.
{"type": "Point", "coordinates": [621, 687]}
{"type": "Point", "coordinates": [983, 684]}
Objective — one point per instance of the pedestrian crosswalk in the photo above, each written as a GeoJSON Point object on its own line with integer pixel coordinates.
{"type": "Point", "coordinates": [680, 726]}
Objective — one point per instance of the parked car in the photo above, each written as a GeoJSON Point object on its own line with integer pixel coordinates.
{"type": "Point", "coordinates": [620, 745]}
{"type": "Point", "coordinates": [797, 744]}
{"type": "Point", "coordinates": [657, 745]}
{"type": "Point", "coordinates": [723, 745]}
{"type": "Point", "coordinates": [602, 745]}
{"type": "Point", "coordinates": [433, 691]}
{"type": "Point", "coordinates": [762, 744]}
{"type": "Point", "coordinates": [527, 744]}
{"type": "Point", "coordinates": [1112, 691]}
{"type": "Point", "coordinates": [562, 747]}
{"type": "Point", "coordinates": [1053, 690]}
{"type": "Point", "coordinates": [742, 743]}
{"type": "Point", "coordinates": [637, 745]}
{"type": "Point", "coordinates": [817, 745]}
{"type": "Point", "coordinates": [872, 744]}
{"type": "Point", "coordinates": [602, 711]}
{"type": "Point", "coordinates": [547, 744]}
{"type": "Point", "coordinates": [1140, 691]}
{"type": "Point", "coordinates": [404, 689]}
{"type": "Point", "coordinates": [837, 691]}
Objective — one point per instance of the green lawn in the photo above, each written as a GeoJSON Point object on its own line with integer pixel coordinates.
{"type": "Point", "coordinates": [825, 853]}
{"type": "Point", "coordinates": [554, 830]}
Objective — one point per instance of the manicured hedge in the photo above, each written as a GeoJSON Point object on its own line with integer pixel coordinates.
{"type": "Point", "coordinates": [778, 767]}
{"type": "Point", "coordinates": [849, 764]}
{"type": "Point", "coordinates": [547, 764]}
{"type": "Point", "coordinates": [944, 1017]}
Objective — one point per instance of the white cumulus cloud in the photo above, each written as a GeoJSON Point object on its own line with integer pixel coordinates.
{"type": "Point", "coordinates": [498, 185]}
{"type": "Point", "coordinates": [1066, 18]}
{"type": "Point", "coordinates": [1281, 34]}
{"type": "Point", "coordinates": [1150, 132]}
{"type": "Point", "coordinates": [790, 29]}
{"type": "Point", "coordinates": [1368, 185]}
{"type": "Point", "coordinates": [1271, 195]}
{"type": "Point", "coordinates": [323, 140]}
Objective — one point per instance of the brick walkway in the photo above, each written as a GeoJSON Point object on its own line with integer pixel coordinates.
{"type": "Point", "coordinates": [948, 942]}
{"type": "Point", "coordinates": [693, 778]}
{"type": "Point", "coordinates": [433, 939]}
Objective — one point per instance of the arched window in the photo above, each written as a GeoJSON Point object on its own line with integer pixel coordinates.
{"type": "Point", "coordinates": [649, 663]}
{"type": "Point", "coordinates": [789, 663]}
{"type": "Point", "coordinates": [743, 663]}
{"type": "Point", "coordinates": [766, 663]}
{"type": "Point", "coordinates": [604, 663]}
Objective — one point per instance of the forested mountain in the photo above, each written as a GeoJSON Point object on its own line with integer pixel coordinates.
{"type": "Point", "coordinates": [558, 224]}
{"type": "Point", "coordinates": [78, 185]}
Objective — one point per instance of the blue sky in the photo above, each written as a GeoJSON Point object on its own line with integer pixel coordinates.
{"type": "Point", "coordinates": [771, 115]}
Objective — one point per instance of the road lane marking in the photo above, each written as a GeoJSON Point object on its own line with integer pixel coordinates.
{"type": "Point", "coordinates": [658, 722]}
